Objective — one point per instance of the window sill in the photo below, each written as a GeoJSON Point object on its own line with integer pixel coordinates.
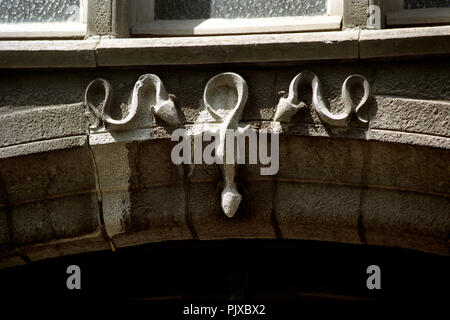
{"type": "Point", "coordinates": [42, 30]}
{"type": "Point", "coordinates": [238, 26]}
{"type": "Point", "coordinates": [343, 45]}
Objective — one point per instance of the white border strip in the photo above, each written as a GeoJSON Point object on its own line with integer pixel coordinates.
{"type": "Point", "coordinates": [238, 26]}
{"type": "Point", "coordinates": [42, 30]}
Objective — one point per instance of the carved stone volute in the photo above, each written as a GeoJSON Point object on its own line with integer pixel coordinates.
{"type": "Point", "coordinates": [290, 105]}
{"type": "Point", "coordinates": [148, 98]}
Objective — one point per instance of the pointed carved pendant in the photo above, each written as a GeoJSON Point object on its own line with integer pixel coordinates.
{"type": "Point", "coordinates": [224, 98]}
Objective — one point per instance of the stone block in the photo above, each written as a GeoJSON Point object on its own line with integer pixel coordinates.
{"type": "Point", "coordinates": [252, 220]}
{"type": "Point", "coordinates": [406, 220]}
{"type": "Point", "coordinates": [99, 18]}
{"type": "Point", "coordinates": [322, 159]}
{"type": "Point", "coordinates": [25, 89]}
{"type": "Point", "coordinates": [55, 219]}
{"type": "Point", "coordinates": [48, 174]}
{"type": "Point", "coordinates": [430, 79]}
{"type": "Point", "coordinates": [151, 164]}
{"type": "Point", "coordinates": [33, 124]}
{"type": "Point", "coordinates": [355, 14]}
{"type": "Point", "coordinates": [57, 248]}
{"type": "Point", "coordinates": [417, 168]}
{"type": "Point", "coordinates": [156, 214]}
{"type": "Point", "coordinates": [36, 147]}
{"type": "Point", "coordinates": [406, 138]}
{"type": "Point", "coordinates": [415, 116]}
{"type": "Point", "coordinates": [48, 54]}
{"type": "Point", "coordinates": [228, 49]}
{"type": "Point", "coordinates": [404, 42]}
{"type": "Point", "coordinates": [322, 212]}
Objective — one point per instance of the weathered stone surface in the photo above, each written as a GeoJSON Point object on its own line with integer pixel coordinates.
{"type": "Point", "coordinates": [355, 14]}
{"type": "Point", "coordinates": [409, 138]}
{"type": "Point", "coordinates": [407, 220]}
{"type": "Point", "coordinates": [318, 211]}
{"type": "Point", "coordinates": [228, 49]}
{"type": "Point", "coordinates": [430, 82]}
{"type": "Point", "coordinates": [424, 79]}
{"type": "Point", "coordinates": [113, 173]}
{"type": "Point", "coordinates": [262, 95]}
{"type": "Point", "coordinates": [156, 214]}
{"type": "Point", "coordinates": [252, 220]}
{"type": "Point", "coordinates": [151, 165]}
{"type": "Point", "coordinates": [43, 146]}
{"type": "Point", "coordinates": [52, 249]}
{"type": "Point", "coordinates": [404, 42]}
{"type": "Point", "coordinates": [121, 18]}
{"type": "Point", "coordinates": [103, 17]}
{"type": "Point", "coordinates": [5, 241]}
{"type": "Point", "coordinates": [112, 165]}
{"type": "Point", "coordinates": [60, 218]}
{"type": "Point", "coordinates": [321, 159]}
{"type": "Point", "coordinates": [28, 89]}
{"type": "Point", "coordinates": [415, 116]}
{"type": "Point", "coordinates": [408, 167]}
{"type": "Point", "coordinates": [224, 49]}
{"type": "Point", "coordinates": [204, 173]}
{"type": "Point", "coordinates": [45, 54]}
{"type": "Point", "coordinates": [148, 199]}
{"type": "Point", "coordinates": [49, 174]}
{"type": "Point", "coordinates": [33, 124]}
{"type": "Point", "coordinates": [10, 261]}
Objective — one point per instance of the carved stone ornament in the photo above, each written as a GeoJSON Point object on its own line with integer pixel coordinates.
{"type": "Point", "coordinates": [224, 99]}
{"type": "Point", "coordinates": [148, 98]}
{"type": "Point", "coordinates": [288, 106]}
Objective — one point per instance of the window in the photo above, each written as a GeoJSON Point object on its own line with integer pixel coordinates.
{"type": "Point", "coordinates": [417, 12]}
{"type": "Point", "coordinates": [43, 18]}
{"type": "Point", "coordinates": [201, 17]}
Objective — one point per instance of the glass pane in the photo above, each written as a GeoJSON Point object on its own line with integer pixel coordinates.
{"type": "Point", "coordinates": [20, 11]}
{"type": "Point", "coordinates": [204, 9]}
{"type": "Point", "coordinates": [416, 4]}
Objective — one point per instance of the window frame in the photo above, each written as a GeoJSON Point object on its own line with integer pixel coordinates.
{"type": "Point", "coordinates": [143, 23]}
{"type": "Point", "coordinates": [47, 30]}
{"type": "Point", "coordinates": [396, 15]}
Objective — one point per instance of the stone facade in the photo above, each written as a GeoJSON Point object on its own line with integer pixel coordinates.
{"type": "Point", "coordinates": [379, 177]}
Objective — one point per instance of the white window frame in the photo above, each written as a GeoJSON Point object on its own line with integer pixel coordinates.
{"type": "Point", "coordinates": [143, 22]}
{"type": "Point", "coordinates": [47, 30]}
{"type": "Point", "coordinates": [396, 15]}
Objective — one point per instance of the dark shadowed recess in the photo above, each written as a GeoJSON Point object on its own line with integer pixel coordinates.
{"type": "Point", "coordinates": [286, 274]}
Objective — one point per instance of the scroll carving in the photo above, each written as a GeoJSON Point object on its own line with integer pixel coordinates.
{"type": "Point", "coordinates": [148, 98]}
{"type": "Point", "coordinates": [288, 106]}
{"type": "Point", "coordinates": [225, 96]}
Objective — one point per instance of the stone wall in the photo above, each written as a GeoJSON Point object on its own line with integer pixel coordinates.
{"type": "Point", "coordinates": [385, 183]}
